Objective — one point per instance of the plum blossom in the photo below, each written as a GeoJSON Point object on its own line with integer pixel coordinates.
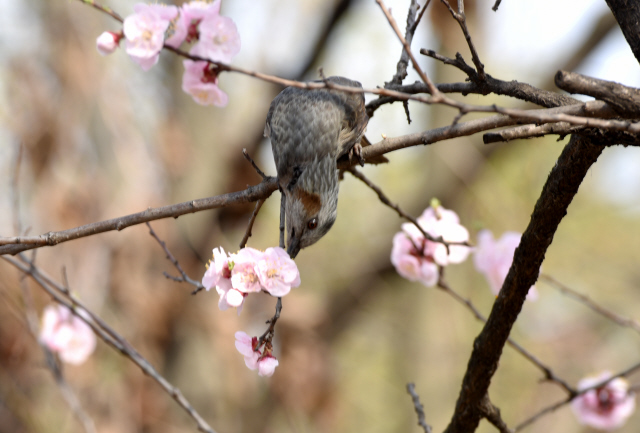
{"type": "Point", "coordinates": [249, 271]}
{"type": "Point", "coordinates": [606, 407]}
{"type": "Point", "coordinates": [145, 32]}
{"type": "Point", "coordinates": [200, 80]}
{"type": "Point", "coordinates": [417, 258]}
{"type": "Point", "coordinates": [244, 276]}
{"type": "Point", "coordinates": [410, 263]}
{"type": "Point", "coordinates": [108, 42]}
{"type": "Point", "coordinates": [218, 39]}
{"type": "Point", "coordinates": [254, 359]}
{"type": "Point", "coordinates": [66, 334]}
{"type": "Point", "coordinates": [493, 259]}
{"type": "Point", "coordinates": [186, 27]}
{"type": "Point", "coordinates": [247, 346]}
{"type": "Point", "coordinates": [277, 272]}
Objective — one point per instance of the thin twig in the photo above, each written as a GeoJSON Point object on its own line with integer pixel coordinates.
{"type": "Point", "coordinates": [270, 332]}
{"type": "Point", "coordinates": [492, 414]}
{"type": "Point", "coordinates": [184, 278]}
{"type": "Point", "coordinates": [385, 200]}
{"type": "Point", "coordinates": [549, 375]}
{"type": "Point", "coordinates": [433, 90]}
{"type": "Point", "coordinates": [422, 422]}
{"type": "Point", "coordinates": [585, 300]}
{"type": "Point", "coordinates": [247, 233]}
{"type": "Point", "coordinates": [253, 163]}
{"type": "Point", "coordinates": [461, 18]}
{"type": "Point", "coordinates": [107, 10]}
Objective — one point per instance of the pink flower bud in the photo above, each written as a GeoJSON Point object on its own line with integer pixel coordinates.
{"type": "Point", "coordinates": [108, 42]}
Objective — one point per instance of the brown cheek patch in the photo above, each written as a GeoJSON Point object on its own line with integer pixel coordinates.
{"type": "Point", "coordinates": [310, 201]}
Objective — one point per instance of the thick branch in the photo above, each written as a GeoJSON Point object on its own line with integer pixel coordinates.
{"type": "Point", "coordinates": [627, 13]}
{"type": "Point", "coordinates": [558, 192]}
{"type": "Point", "coordinates": [625, 100]}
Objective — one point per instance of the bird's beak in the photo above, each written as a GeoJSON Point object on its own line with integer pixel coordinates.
{"type": "Point", "coordinates": [294, 247]}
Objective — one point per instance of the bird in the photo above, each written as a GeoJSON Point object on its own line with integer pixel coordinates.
{"type": "Point", "coordinates": [309, 131]}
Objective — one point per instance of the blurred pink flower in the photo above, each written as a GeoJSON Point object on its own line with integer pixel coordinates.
{"type": "Point", "coordinates": [185, 28]}
{"type": "Point", "coordinates": [108, 42]}
{"type": "Point", "coordinates": [410, 263]}
{"type": "Point", "coordinates": [604, 408]}
{"type": "Point", "coordinates": [243, 275]}
{"type": "Point", "coordinates": [66, 334]}
{"type": "Point", "coordinates": [218, 272]}
{"type": "Point", "coordinates": [277, 272]}
{"type": "Point", "coordinates": [267, 365]}
{"type": "Point", "coordinates": [417, 258]}
{"type": "Point", "coordinates": [200, 80]}
{"type": "Point", "coordinates": [218, 40]}
{"type": "Point", "coordinates": [494, 258]}
{"type": "Point", "coordinates": [145, 32]}
{"type": "Point", "coordinates": [247, 346]}
{"type": "Point", "coordinates": [265, 362]}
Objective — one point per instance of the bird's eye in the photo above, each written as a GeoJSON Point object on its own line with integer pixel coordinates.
{"type": "Point", "coordinates": [313, 223]}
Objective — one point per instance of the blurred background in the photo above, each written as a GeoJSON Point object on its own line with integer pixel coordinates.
{"type": "Point", "coordinates": [101, 139]}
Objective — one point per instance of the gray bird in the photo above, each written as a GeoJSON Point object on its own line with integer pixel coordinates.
{"type": "Point", "coordinates": [309, 131]}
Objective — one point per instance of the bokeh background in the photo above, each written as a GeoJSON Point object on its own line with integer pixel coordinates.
{"type": "Point", "coordinates": [100, 138]}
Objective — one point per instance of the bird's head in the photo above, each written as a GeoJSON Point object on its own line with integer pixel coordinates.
{"type": "Point", "coordinates": [311, 204]}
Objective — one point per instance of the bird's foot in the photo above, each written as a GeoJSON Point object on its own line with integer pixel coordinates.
{"type": "Point", "coordinates": [356, 151]}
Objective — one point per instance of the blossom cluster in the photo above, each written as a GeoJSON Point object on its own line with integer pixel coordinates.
{"type": "Point", "coordinates": [250, 271]}
{"type": "Point", "coordinates": [153, 26]}
{"type": "Point", "coordinates": [606, 407]}
{"type": "Point", "coordinates": [66, 334]}
{"type": "Point", "coordinates": [416, 258]}
{"type": "Point", "coordinates": [254, 358]}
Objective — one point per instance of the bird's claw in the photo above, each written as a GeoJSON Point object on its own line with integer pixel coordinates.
{"type": "Point", "coordinates": [357, 151]}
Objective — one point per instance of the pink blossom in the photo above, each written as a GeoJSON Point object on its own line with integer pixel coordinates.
{"type": "Point", "coordinates": [606, 407]}
{"type": "Point", "coordinates": [200, 80]}
{"type": "Point", "coordinates": [66, 334]}
{"type": "Point", "coordinates": [218, 272]}
{"type": "Point", "coordinates": [410, 263]}
{"type": "Point", "coordinates": [108, 42]}
{"type": "Point", "coordinates": [417, 258]}
{"type": "Point", "coordinates": [244, 276]}
{"type": "Point", "coordinates": [267, 365]}
{"type": "Point", "coordinates": [247, 346]}
{"type": "Point", "coordinates": [145, 31]}
{"type": "Point", "coordinates": [277, 272]}
{"type": "Point", "coordinates": [218, 39]}
{"type": "Point", "coordinates": [185, 28]}
{"type": "Point", "coordinates": [494, 258]}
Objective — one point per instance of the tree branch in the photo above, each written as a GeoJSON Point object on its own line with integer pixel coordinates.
{"type": "Point", "coordinates": [558, 192]}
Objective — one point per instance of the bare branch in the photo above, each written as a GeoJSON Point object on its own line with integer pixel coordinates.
{"type": "Point", "coordinates": [558, 192]}
{"type": "Point", "coordinates": [492, 414]}
{"type": "Point", "coordinates": [625, 100]}
{"type": "Point", "coordinates": [548, 373]}
{"type": "Point", "coordinates": [261, 191]}
{"type": "Point", "coordinates": [184, 277]}
{"type": "Point", "coordinates": [422, 422]}
{"type": "Point", "coordinates": [247, 233]}
{"type": "Point", "coordinates": [462, 21]}
{"type": "Point", "coordinates": [566, 290]}
{"type": "Point", "coordinates": [432, 89]}
{"type": "Point", "coordinates": [385, 200]}
{"type": "Point", "coordinates": [60, 294]}
{"type": "Point", "coordinates": [530, 131]}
